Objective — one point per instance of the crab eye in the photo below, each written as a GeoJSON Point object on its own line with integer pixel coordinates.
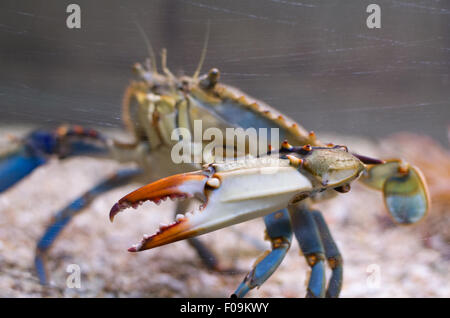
{"type": "Point", "coordinates": [213, 76]}
{"type": "Point", "coordinates": [214, 72]}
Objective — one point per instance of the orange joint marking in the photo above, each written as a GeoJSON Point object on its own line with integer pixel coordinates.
{"type": "Point", "coordinates": [286, 145]}
{"type": "Point", "coordinates": [330, 144]}
{"type": "Point", "coordinates": [279, 242]}
{"type": "Point", "coordinates": [242, 100]}
{"type": "Point", "coordinates": [403, 168]}
{"type": "Point", "coordinates": [307, 147]}
{"type": "Point", "coordinates": [294, 160]}
{"type": "Point", "coordinates": [255, 106]}
{"type": "Point", "coordinates": [62, 131]}
{"type": "Point", "coordinates": [312, 259]}
{"type": "Point", "coordinates": [78, 129]}
{"type": "Point", "coordinates": [334, 262]}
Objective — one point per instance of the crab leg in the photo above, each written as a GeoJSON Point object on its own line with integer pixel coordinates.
{"type": "Point", "coordinates": [16, 165]}
{"type": "Point", "coordinates": [308, 237]}
{"type": "Point", "coordinates": [35, 149]}
{"type": "Point", "coordinates": [63, 217]}
{"type": "Point", "coordinates": [237, 191]}
{"type": "Point", "coordinates": [332, 254]}
{"type": "Point", "coordinates": [280, 234]}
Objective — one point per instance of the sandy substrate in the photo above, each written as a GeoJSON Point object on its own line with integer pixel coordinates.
{"type": "Point", "coordinates": [380, 260]}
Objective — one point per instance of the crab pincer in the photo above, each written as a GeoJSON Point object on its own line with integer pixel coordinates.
{"type": "Point", "coordinates": [235, 192]}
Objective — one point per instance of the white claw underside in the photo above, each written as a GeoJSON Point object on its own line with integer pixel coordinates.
{"type": "Point", "coordinates": [241, 196]}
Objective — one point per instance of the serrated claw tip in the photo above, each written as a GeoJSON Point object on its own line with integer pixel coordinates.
{"type": "Point", "coordinates": [114, 210]}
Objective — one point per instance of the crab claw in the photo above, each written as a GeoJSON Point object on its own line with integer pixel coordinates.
{"type": "Point", "coordinates": [234, 192]}
{"type": "Point", "coordinates": [178, 186]}
{"type": "Point", "coordinates": [404, 189]}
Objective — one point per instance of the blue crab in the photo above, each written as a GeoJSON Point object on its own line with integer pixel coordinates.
{"type": "Point", "coordinates": [155, 105]}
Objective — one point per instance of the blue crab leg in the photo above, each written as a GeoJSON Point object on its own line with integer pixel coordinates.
{"type": "Point", "coordinates": [308, 237]}
{"type": "Point", "coordinates": [35, 149]}
{"type": "Point", "coordinates": [280, 234]}
{"type": "Point", "coordinates": [63, 217]}
{"type": "Point", "coordinates": [16, 165]}
{"type": "Point", "coordinates": [332, 254]}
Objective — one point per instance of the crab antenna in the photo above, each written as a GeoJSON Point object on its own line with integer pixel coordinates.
{"type": "Point", "coordinates": [164, 64]}
{"type": "Point", "coordinates": [203, 55]}
{"type": "Point", "coordinates": [149, 47]}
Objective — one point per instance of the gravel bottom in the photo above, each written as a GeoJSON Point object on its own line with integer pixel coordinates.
{"type": "Point", "coordinates": [380, 260]}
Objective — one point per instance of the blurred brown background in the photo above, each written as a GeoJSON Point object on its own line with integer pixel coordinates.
{"type": "Point", "coordinates": [315, 60]}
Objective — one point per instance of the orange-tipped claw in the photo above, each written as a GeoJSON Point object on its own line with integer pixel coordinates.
{"type": "Point", "coordinates": [180, 185]}
{"type": "Point", "coordinates": [236, 192]}
{"type": "Point", "coordinates": [179, 230]}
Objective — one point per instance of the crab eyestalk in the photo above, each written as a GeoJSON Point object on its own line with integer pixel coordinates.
{"type": "Point", "coordinates": [241, 190]}
{"type": "Point", "coordinates": [404, 189]}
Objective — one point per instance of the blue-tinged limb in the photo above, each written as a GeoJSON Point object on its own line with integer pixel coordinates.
{"type": "Point", "coordinates": [62, 218]}
{"type": "Point", "coordinates": [16, 165]}
{"type": "Point", "coordinates": [36, 148]}
{"type": "Point", "coordinates": [280, 235]}
{"type": "Point", "coordinates": [308, 237]}
{"type": "Point", "coordinates": [333, 256]}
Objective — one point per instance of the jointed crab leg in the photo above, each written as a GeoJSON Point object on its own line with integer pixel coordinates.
{"type": "Point", "coordinates": [332, 254]}
{"type": "Point", "coordinates": [63, 217]}
{"type": "Point", "coordinates": [278, 230]}
{"type": "Point", "coordinates": [235, 192]}
{"type": "Point", "coordinates": [35, 149]}
{"type": "Point", "coordinates": [280, 234]}
{"type": "Point", "coordinates": [16, 165]}
{"type": "Point", "coordinates": [308, 237]}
